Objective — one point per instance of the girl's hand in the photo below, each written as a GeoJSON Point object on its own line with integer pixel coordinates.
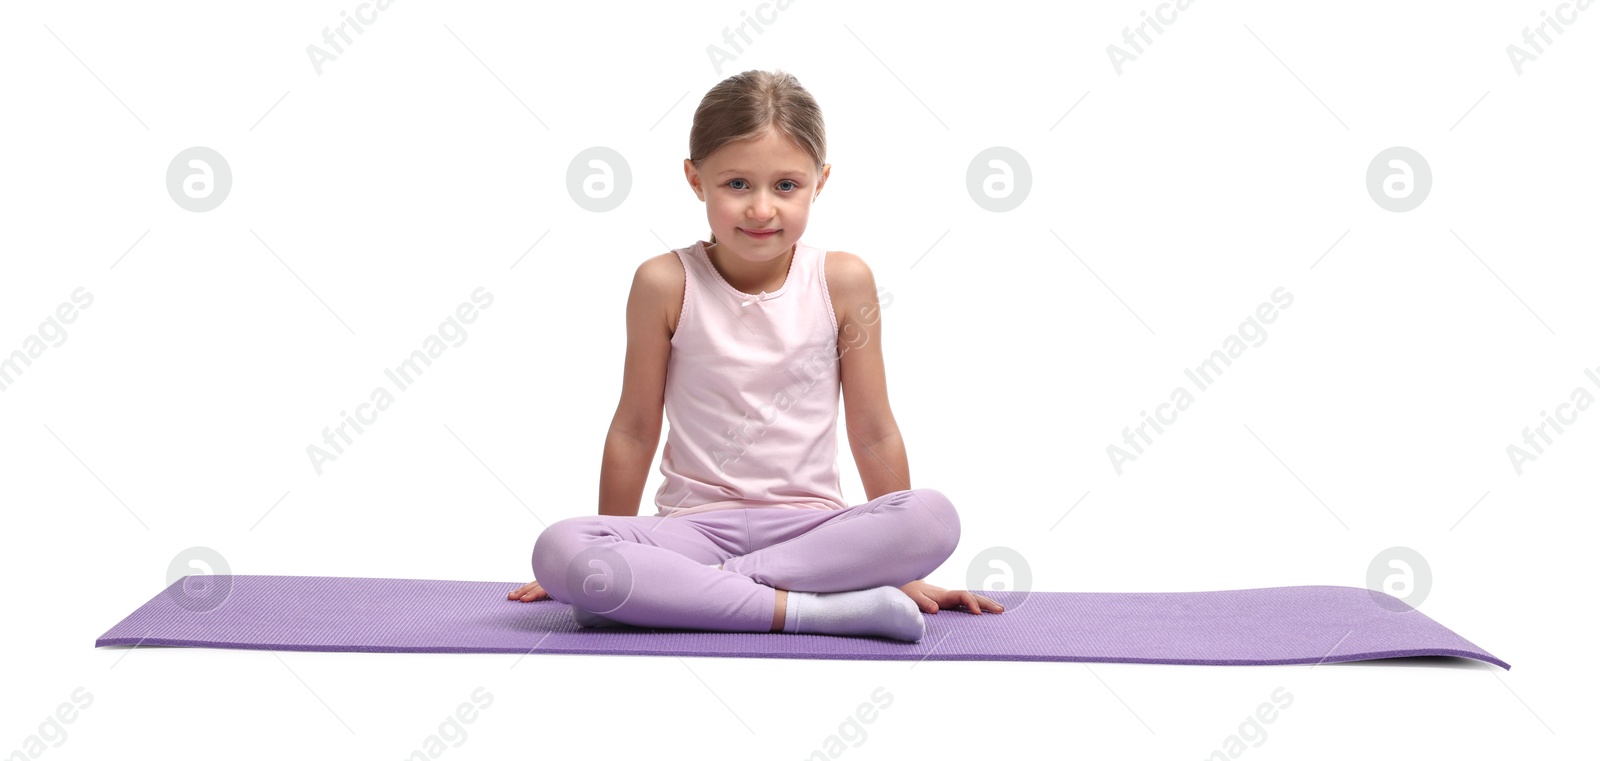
{"type": "Point", "coordinates": [528, 592]}
{"type": "Point", "coordinates": [931, 598]}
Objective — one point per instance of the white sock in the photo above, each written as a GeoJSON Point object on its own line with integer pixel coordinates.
{"type": "Point", "coordinates": [880, 612]}
{"type": "Point", "coordinates": [595, 620]}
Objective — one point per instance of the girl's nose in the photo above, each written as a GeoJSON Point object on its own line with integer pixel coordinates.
{"type": "Point", "coordinates": [761, 207]}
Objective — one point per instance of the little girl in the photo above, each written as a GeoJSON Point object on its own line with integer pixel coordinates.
{"type": "Point", "coordinates": [747, 341]}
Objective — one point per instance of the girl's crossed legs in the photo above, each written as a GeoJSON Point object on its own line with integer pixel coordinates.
{"type": "Point", "coordinates": [660, 572]}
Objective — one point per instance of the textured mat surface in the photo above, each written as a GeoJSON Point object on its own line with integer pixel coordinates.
{"type": "Point", "coordinates": [1276, 625]}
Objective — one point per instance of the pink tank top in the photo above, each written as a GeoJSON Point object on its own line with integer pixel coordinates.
{"type": "Point", "coordinates": [752, 393]}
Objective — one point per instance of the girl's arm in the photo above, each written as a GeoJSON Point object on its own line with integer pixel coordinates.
{"type": "Point", "coordinates": [875, 442]}
{"type": "Point", "coordinates": [636, 427]}
{"type": "Point", "coordinates": [882, 463]}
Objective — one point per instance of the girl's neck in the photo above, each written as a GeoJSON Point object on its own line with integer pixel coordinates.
{"type": "Point", "coordinates": [746, 276]}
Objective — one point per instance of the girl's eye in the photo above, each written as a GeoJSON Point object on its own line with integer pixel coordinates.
{"type": "Point", "coordinates": [784, 182]}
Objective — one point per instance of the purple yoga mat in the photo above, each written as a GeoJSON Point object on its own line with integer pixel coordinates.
{"type": "Point", "coordinates": [1276, 625]}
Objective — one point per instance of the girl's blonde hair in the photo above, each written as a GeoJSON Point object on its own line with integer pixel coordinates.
{"type": "Point", "coordinates": [745, 106]}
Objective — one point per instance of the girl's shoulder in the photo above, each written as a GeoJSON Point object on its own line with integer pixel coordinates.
{"type": "Point", "coordinates": [850, 283]}
{"type": "Point", "coordinates": [843, 267]}
{"type": "Point", "coordinates": [661, 280]}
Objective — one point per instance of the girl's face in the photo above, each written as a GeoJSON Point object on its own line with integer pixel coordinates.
{"type": "Point", "coordinates": [757, 185]}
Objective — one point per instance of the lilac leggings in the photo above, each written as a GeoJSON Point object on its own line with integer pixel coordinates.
{"type": "Point", "coordinates": [656, 572]}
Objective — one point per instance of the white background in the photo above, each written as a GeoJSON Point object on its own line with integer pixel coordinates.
{"type": "Point", "coordinates": [430, 157]}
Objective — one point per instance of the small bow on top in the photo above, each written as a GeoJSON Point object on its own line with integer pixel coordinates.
{"type": "Point", "coordinates": [763, 296]}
